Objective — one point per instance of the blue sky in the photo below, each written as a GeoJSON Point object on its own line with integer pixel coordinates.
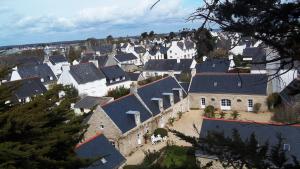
{"type": "Point", "coordinates": [33, 21]}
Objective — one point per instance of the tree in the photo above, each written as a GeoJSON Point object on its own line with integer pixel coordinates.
{"type": "Point", "coordinates": [274, 22]}
{"type": "Point", "coordinates": [209, 111]}
{"type": "Point", "coordinates": [40, 134]}
{"type": "Point", "coordinates": [273, 100]}
{"type": "Point", "coordinates": [73, 54]}
{"type": "Point", "coordinates": [204, 43]}
{"type": "Point", "coordinates": [151, 34]}
{"type": "Point", "coordinates": [144, 35]}
{"type": "Point", "coordinates": [234, 152]}
{"type": "Point", "coordinates": [172, 35]}
{"type": "Point", "coordinates": [109, 39]}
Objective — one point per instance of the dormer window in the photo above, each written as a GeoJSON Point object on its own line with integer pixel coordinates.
{"type": "Point", "coordinates": [286, 147]}
{"type": "Point", "coordinates": [214, 65]}
{"type": "Point", "coordinates": [239, 84]}
{"type": "Point", "coordinates": [215, 84]}
{"type": "Point", "coordinates": [51, 78]}
{"type": "Point", "coordinates": [42, 80]}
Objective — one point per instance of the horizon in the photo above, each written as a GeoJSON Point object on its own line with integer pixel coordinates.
{"type": "Point", "coordinates": [34, 22]}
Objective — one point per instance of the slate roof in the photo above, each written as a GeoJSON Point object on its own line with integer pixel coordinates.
{"type": "Point", "coordinates": [28, 87]}
{"type": "Point", "coordinates": [263, 132]}
{"type": "Point", "coordinates": [117, 109]}
{"type": "Point", "coordinates": [123, 57]}
{"type": "Point", "coordinates": [156, 90]}
{"type": "Point", "coordinates": [185, 86]}
{"type": "Point", "coordinates": [86, 72]}
{"type": "Point", "coordinates": [180, 45]}
{"type": "Point", "coordinates": [289, 93]}
{"type": "Point", "coordinates": [40, 70]}
{"type": "Point", "coordinates": [89, 102]}
{"type": "Point", "coordinates": [133, 76]}
{"type": "Point", "coordinates": [102, 60]}
{"type": "Point", "coordinates": [213, 65]}
{"type": "Point", "coordinates": [114, 72]}
{"type": "Point", "coordinates": [104, 49]}
{"type": "Point", "coordinates": [97, 147]}
{"type": "Point", "coordinates": [57, 59]}
{"type": "Point", "coordinates": [251, 84]}
{"type": "Point", "coordinates": [168, 64]}
{"type": "Point", "coordinates": [139, 49]}
{"type": "Point", "coordinates": [258, 55]}
{"type": "Point", "coordinates": [189, 44]}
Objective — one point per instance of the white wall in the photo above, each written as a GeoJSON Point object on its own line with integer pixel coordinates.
{"type": "Point", "coordinates": [15, 76]}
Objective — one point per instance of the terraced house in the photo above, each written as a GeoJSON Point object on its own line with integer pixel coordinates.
{"type": "Point", "coordinates": [125, 121]}
{"type": "Point", "coordinates": [228, 91]}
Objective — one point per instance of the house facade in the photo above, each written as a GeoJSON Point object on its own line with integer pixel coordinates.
{"type": "Point", "coordinates": [184, 49]}
{"type": "Point", "coordinates": [228, 91]}
{"type": "Point", "coordinates": [56, 62]}
{"type": "Point", "coordinates": [127, 120]}
{"type": "Point", "coordinates": [86, 78]}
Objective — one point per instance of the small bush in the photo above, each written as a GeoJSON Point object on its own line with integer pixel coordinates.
{"type": "Point", "coordinates": [256, 107]}
{"type": "Point", "coordinates": [222, 115]}
{"type": "Point", "coordinates": [161, 131]}
{"type": "Point", "coordinates": [209, 111]}
{"type": "Point", "coordinates": [235, 114]}
{"type": "Point", "coordinates": [180, 114]}
{"type": "Point", "coordinates": [171, 121]}
{"type": "Point", "coordinates": [119, 92]}
{"type": "Point", "coordinates": [273, 100]}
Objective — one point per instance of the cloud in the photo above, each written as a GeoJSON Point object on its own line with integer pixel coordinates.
{"type": "Point", "coordinates": [102, 17]}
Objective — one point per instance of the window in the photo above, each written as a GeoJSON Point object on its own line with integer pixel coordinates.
{"type": "Point", "coordinates": [286, 147]}
{"type": "Point", "coordinates": [250, 103]}
{"type": "Point", "coordinates": [239, 84]}
{"type": "Point", "coordinates": [170, 51]}
{"type": "Point", "coordinates": [215, 84]}
{"type": "Point", "coordinates": [82, 110]}
{"type": "Point", "coordinates": [101, 127]}
{"type": "Point", "coordinates": [226, 102]}
{"type": "Point", "coordinates": [202, 101]}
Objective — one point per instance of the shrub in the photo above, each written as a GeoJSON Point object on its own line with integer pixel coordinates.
{"type": "Point", "coordinates": [209, 111]}
{"type": "Point", "coordinates": [256, 107]}
{"type": "Point", "coordinates": [171, 121]}
{"type": "Point", "coordinates": [235, 114]}
{"type": "Point", "coordinates": [118, 92]}
{"type": "Point", "coordinates": [288, 115]}
{"type": "Point", "coordinates": [180, 114]}
{"type": "Point", "coordinates": [273, 100]}
{"type": "Point", "coordinates": [161, 131]}
{"type": "Point", "coordinates": [222, 115]}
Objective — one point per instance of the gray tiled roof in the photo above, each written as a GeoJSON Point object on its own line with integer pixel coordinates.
{"type": "Point", "coordinates": [89, 102]}
{"type": "Point", "coordinates": [189, 44]}
{"type": "Point", "coordinates": [251, 84]}
{"type": "Point", "coordinates": [168, 64]}
{"type": "Point", "coordinates": [40, 70]}
{"type": "Point", "coordinates": [57, 59]}
{"type": "Point", "coordinates": [213, 65]}
{"type": "Point", "coordinates": [139, 49]}
{"type": "Point", "coordinates": [28, 87]}
{"type": "Point", "coordinates": [123, 57]}
{"type": "Point", "coordinates": [263, 132]}
{"type": "Point", "coordinates": [104, 49]}
{"type": "Point", "coordinates": [97, 147]}
{"type": "Point", "coordinates": [114, 72]}
{"type": "Point", "coordinates": [156, 90]}
{"type": "Point", "coordinates": [133, 76]}
{"type": "Point", "coordinates": [258, 55]}
{"type": "Point", "coordinates": [117, 109]}
{"type": "Point", "coordinates": [86, 72]}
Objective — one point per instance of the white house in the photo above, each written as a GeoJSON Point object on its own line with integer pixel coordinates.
{"type": "Point", "coordinates": [127, 59]}
{"type": "Point", "coordinates": [184, 49]}
{"type": "Point", "coordinates": [56, 63]}
{"type": "Point", "coordinates": [86, 78]}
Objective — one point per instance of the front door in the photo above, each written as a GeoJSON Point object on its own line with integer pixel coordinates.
{"type": "Point", "coordinates": [250, 105]}
{"type": "Point", "coordinates": [225, 104]}
{"type": "Point", "coordinates": [202, 103]}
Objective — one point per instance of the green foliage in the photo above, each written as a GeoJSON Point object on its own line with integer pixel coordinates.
{"type": "Point", "coordinates": [118, 92]}
{"type": "Point", "coordinates": [239, 62]}
{"type": "Point", "coordinates": [160, 131]}
{"type": "Point", "coordinates": [149, 80]}
{"type": "Point", "coordinates": [41, 134]}
{"type": "Point", "coordinates": [171, 121]}
{"type": "Point", "coordinates": [273, 100]}
{"type": "Point", "coordinates": [209, 111]}
{"type": "Point", "coordinates": [256, 107]}
{"type": "Point", "coordinates": [185, 77]}
{"type": "Point", "coordinates": [234, 115]}
{"type": "Point", "coordinates": [205, 43]}
{"type": "Point", "coordinates": [73, 54]}
{"type": "Point", "coordinates": [222, 115]}
{"type": "Point", "coordinates": [286, 115]}
{"type": "Point", "coordinates": [180, 114]}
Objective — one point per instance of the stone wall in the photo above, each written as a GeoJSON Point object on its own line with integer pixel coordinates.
{"type": "Point", "coordinates": [238, 102]}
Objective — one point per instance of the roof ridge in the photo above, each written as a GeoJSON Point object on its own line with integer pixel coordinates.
{"type": "Point", "coordinates": [117, 99]}
{"type": "Point", "coordinates": [225, 73]}
{"type": "Point", "coordinates": [88, 140]}
{"type": "Point", "coordinates": [252, 122]}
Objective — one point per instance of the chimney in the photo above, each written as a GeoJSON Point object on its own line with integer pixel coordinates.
{"type": "Point", "coordinates": [133, 88]}
{"type": "Point", "coordinates": [193, 72]}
